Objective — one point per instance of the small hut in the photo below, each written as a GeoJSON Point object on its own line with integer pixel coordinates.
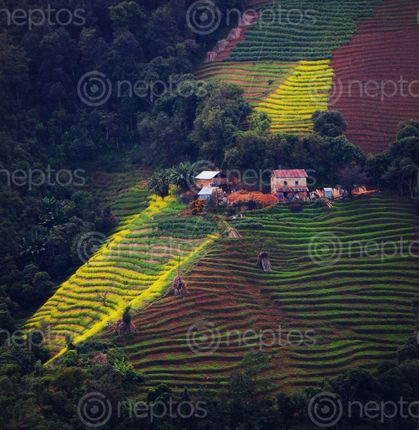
{"type": "Point", "coordinates": [233, 233]}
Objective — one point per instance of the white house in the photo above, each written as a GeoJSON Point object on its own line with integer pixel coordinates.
{"type": "Point", "coordinates": [210, 178]}
{"type": "Point", "coordinates": [206, 193]}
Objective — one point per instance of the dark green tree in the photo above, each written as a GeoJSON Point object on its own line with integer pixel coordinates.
{"type": "Point", "coordinates": [329, 123]}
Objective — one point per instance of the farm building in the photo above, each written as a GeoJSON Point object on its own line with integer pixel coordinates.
{"type": "Point", "coordinates": [210, 178]}
{"type": "Point", "coordinates": [328, 193]}
{"type": "Point", "coordinates": [206, 193]}
{"type": "Point", "coordinates": [289, 184]}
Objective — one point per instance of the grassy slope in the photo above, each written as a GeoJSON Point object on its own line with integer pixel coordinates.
{"type": "Point", "coordinates": [133, 267]}
{"type": "Point", "coordinates": [125, 192]}
{"type": "Point", "coordinates": [360, 308]}
{"type": "Point", "coordinates": [258, 79]}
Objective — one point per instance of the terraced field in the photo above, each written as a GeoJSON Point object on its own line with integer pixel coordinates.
{"type": "Point", "coordinates": [288, 92]}
{"type": "Point", "coordinates": [258, 79]}
{"type": "Point", "coordinates": [385, 54]}
{"type": "Point", "coordinates": [371, 54]}
{"type": "Point", "coordinates": [294, 30]}
{"type": "Point", "coordinates": [303, 92]}
{"type": "Point", "coordinates": [357, 308]}
{"type": "Point", "coordinates": [133, 267]}
{"type": "Point", "coordinates": [125, 192]}
{"type": "Point", "coordinates": [282, 60]}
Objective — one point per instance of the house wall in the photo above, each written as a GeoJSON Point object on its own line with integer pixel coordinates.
{"type": "Point", "coordinates": [200, 183]}
{"type": "Point", "coordinates": [205, 197]}
{"type": "Point", "coordinates": [280, 182]}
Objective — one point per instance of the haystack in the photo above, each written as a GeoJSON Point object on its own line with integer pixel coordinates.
{"type": "Point", "coordinates": [121, 327]}
{"type": "Point", "coordinates": [179, 286]}
{"type": "Point", "coordinates": [233, 233]}
{"type": "Point", "coordinates": [263, 262]}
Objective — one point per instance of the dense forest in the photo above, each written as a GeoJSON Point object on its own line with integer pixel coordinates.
{"type": "Point", "coordinates": [54, 134]}
{"type": "Point", "coordinates": [51, 141]}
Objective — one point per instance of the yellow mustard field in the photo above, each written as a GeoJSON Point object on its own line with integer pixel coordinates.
{"type": "Point", "coordinates": [305, 91]}
{"type": "Point", "coordinates": [133, 268]}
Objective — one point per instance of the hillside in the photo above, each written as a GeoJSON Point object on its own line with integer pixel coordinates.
{"type": "Point", "coordinates": [384, 50]}
{"type": "Point", "coordinates": [131, 268]}
{"type": "Point", "coordinates": [328, 61]}
{"type": "Point", "coordinates": [360, 308]}
{"type": "Point", "coordinates": [124, 192]}
{"type": "Point", "coordinates": [209, 214]}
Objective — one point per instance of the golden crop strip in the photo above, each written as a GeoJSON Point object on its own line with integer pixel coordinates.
{"type": "Point", "coordinates": [305, 91]}
{"type": "Point", "coordinates": [131, 278]}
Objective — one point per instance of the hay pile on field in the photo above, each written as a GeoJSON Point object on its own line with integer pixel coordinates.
{"type": "Point", "coordinates": [244, 197]}
{"type": "Point", "coordinates": [263, 262]}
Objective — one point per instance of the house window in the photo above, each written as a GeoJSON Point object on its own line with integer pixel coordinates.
{"type": "Point", "coordinates": [285, 182]}
{"type": "Point", "coordinates": [296, 182]}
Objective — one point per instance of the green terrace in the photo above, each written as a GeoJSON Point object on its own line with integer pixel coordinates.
{"type": "Point", "coordinates": [359, 307]}
{"type": "Point", "coordinates": [311, 34]}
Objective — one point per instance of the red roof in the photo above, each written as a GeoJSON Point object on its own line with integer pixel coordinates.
{"type": "Point", "coordinates": [293, 173]}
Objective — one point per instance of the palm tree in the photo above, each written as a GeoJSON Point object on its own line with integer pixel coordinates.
{"type": "Point", "coordinates": [159, 183]}
{"type": "Point", "coordinates": [182, 175]}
